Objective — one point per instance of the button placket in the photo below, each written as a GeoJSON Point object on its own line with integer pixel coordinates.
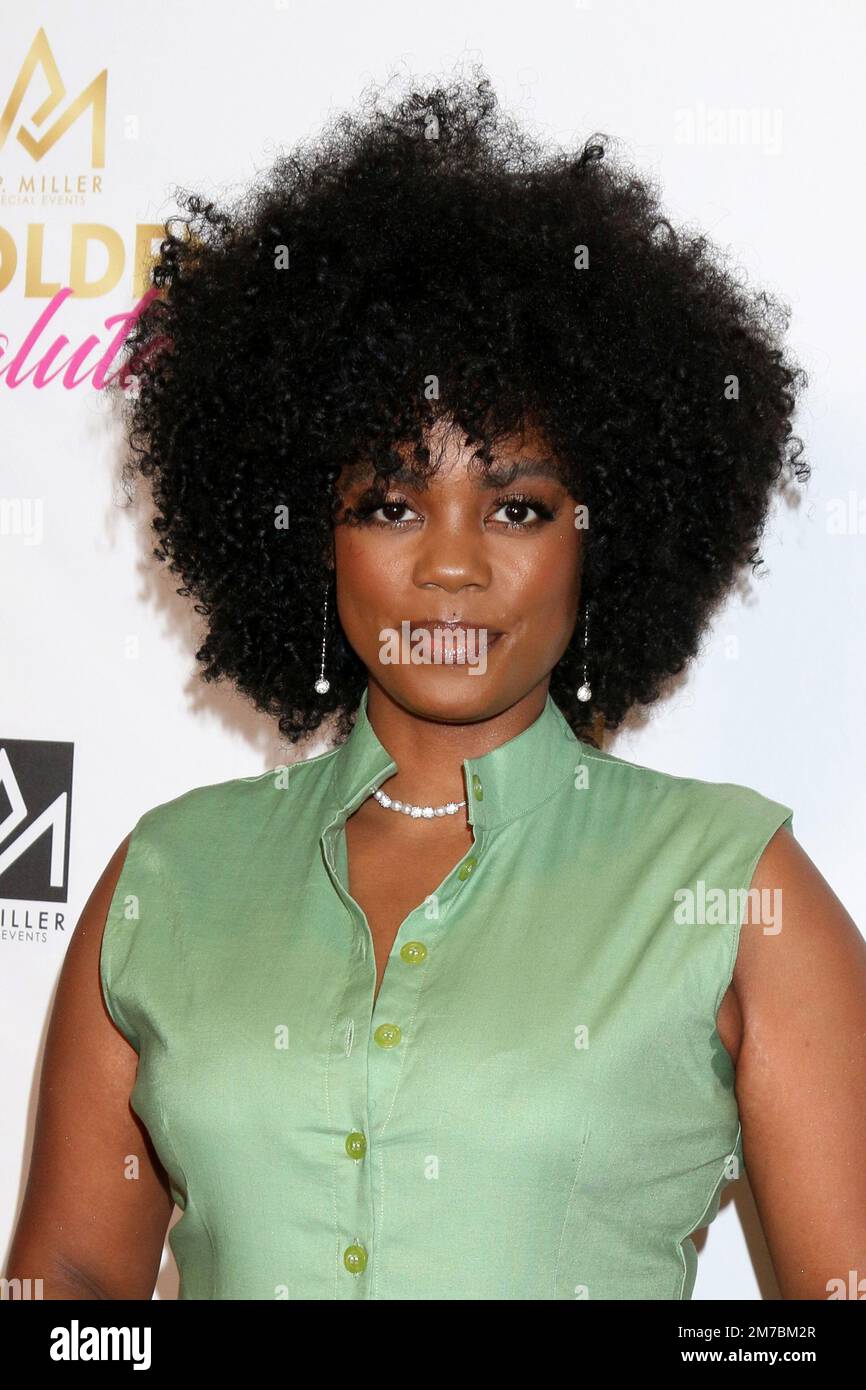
{"type": "Point", "coordinates": [414, 942]}
{"type": "Point", "coordinates": [348, 1110]}
{"type": "Point", "coordinates": [347, 1104]}
{"type": "Point", "coordinates": [413, 953]}
{"type": "Point", "coordinates": [370, 1095]}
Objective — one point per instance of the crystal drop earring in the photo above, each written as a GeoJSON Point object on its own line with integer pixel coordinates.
{"type": "Point", "coordinates": [323, 684]}
{"type": "Point", "coordinates": [585, 691]}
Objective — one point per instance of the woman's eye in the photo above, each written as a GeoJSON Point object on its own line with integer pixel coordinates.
{"type": "Point", "coordinates": [521, 514]}
{"type": "Point", "coordinates": [517, 513]}
{"type": "Point", "coordinates": [391, 513]}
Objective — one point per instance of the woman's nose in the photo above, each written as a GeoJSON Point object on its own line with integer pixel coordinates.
{"type": "Point", "coordinates": [452, 557]}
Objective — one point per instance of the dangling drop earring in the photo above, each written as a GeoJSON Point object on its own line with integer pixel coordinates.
{"type": "Point", "coordinates": [585, 691]}
{"type": "Point", "coordinates": [323, 684]}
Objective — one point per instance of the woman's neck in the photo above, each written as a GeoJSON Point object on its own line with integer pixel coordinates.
{"type": "Point", "coordinates": [429, 748]}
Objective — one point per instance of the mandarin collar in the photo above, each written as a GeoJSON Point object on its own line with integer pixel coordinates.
{"type": "Point", "coordinates": [501, 785]}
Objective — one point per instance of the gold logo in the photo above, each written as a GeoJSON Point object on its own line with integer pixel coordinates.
{"type": "Point", "coordinates": [93, 98]}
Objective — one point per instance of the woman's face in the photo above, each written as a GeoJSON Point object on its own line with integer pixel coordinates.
{"type": "Point", "coordinates": [503, 560]}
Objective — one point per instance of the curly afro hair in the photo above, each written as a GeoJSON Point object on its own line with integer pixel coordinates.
{"type": "Point", "coordinates": [431, 238]}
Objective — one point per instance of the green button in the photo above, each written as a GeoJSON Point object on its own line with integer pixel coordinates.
{"type": "Point", "coordinates": [466, 869]}
{"type": "Point", "coordinates": [413, 952]}
{"type": "Point", "coordinates": [356, 1144]}
{"type": "Point", "coordinates": [387, 1035]}
{"type": "Point", "coordinates": [477, 789]}
{"type": "Point", "coordinates": [355, 1259]}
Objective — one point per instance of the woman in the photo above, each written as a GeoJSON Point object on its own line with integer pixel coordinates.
{"type": "Point", "coordinates": [456, 440]}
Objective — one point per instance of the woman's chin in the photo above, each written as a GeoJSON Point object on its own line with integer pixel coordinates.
{"type": "Point", "coordinates": [451, 695]}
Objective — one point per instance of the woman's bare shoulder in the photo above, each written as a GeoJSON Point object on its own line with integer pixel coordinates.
{"type": "Point", "coordinates": [97, 1203]}
{"type": "Point", "coordinates": [800, 980]}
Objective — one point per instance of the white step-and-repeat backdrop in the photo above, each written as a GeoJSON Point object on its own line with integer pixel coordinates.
{"type": "Point", "coordinates": [739, 110]}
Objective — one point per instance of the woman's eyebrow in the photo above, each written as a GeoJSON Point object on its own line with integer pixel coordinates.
{"type": "Point", "coordinates": [501, 475]}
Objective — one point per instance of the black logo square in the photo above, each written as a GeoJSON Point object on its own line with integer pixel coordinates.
{"type": "Point", "coordinates": [35, 819]}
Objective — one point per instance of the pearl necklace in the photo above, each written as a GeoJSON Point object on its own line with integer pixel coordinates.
{"type": "Point", "coordinates": [426, 812]}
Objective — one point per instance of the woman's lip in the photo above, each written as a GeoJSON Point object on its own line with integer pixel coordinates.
{"type": "Point", "coordinates": [459, 627]}
{"type": "Point", "coordinates": [448, 644]}
{"type": "Point", "coordinates": [459, 653]}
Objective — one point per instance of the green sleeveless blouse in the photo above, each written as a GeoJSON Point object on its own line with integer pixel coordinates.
{"type": "Point", "coordinates": [538, 1107]}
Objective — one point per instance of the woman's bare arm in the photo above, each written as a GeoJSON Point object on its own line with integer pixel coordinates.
{"type": "Point", "coordinates": [801, 1075]}
{"type": "Point", "coordinates": [97, 1203]}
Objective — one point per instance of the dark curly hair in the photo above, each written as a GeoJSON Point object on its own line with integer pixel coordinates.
{"type": "Point", "coordinates": [299, 328]}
